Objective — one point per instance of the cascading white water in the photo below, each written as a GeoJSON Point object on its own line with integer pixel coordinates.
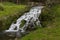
{"type": "Point", "coordinates": [31, 16]}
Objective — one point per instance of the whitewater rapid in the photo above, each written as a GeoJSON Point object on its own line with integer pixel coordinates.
{"type": "Point", "coordinates": [31, 16]}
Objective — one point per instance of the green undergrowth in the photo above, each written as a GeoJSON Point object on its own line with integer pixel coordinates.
{"type": "Point", "coordinates": [51, 29]}
{"type": "Point", "coordinates": [10, 12]}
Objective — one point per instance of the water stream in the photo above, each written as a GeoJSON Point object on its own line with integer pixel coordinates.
{"type": "Point", "coordinates": [30, 18]}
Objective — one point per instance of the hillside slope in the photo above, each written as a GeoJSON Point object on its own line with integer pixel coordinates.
{"type": "Point", "coordinates": [10, 12]}
{"type": "Point", "coordinates": [52, 32]}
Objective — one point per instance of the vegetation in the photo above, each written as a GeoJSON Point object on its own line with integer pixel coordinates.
{"type": "Point", "coordinates": [49, 32]}
{"type": "Point", "coordinates": [47, 16]}
{"type": "Point", "coordinates": [1, 7]}
{"type": "Point", "coordinates": [22, 23]}
{"type": "Point", "coordinates": [50, 18]}
{"type": "Point", "coordinates": [10, 13]}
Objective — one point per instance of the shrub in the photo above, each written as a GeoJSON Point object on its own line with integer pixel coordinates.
{"type": "Point", "coordinates": [47, 16]}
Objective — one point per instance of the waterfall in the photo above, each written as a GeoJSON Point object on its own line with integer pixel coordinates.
{"type": "Point", "coordinates": [30, 17]}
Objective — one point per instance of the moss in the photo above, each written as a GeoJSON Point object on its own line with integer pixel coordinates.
{"type": "Point", "coordinates": [22, 23]}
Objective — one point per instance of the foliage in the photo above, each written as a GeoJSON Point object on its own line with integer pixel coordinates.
{"type": "Point", "coordinates": [47, 16]}
{"type": "Point", "coordinates": [47, 33]}
{"type": "Point", "coordinates": [10, 14]}
{"type": "Point", "coordinates": [1, 7]}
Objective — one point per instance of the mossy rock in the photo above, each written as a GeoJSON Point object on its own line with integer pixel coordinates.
{"type": "Point", "coordinates": [22, 23]}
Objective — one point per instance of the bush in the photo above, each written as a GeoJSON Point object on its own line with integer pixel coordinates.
{"type": "Point", "coordinates": [47, 16]}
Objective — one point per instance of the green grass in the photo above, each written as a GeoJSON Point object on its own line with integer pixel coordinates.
{"type": "Point", "coordinates": [8, 3]}
{"type": "Point", "coordinates": [11, 9]}
{"type": "Point", "coordinates": [52, 32]}
{"type": "Point", "coordinates": [10, 13]}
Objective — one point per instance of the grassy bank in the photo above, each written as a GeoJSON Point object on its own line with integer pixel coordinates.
{"type": "Point", "coordinates": [9, 13]}
{"type": "Point", "coordinates": [49, 32]}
